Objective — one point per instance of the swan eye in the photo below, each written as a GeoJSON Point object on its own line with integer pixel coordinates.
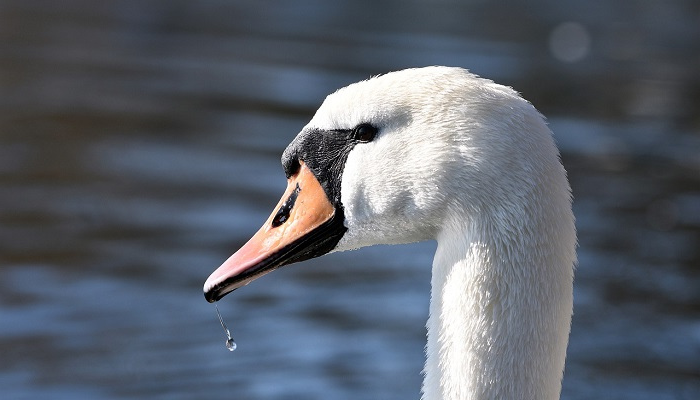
{"type": "Point", "coordinates": [364, 132]}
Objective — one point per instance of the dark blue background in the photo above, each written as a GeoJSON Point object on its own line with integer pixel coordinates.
{"type": "Point", "coordinates": [140, 145]}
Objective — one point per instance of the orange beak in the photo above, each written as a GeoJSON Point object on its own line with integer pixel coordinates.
{"type": "Point", "coordinates": [304, 225]}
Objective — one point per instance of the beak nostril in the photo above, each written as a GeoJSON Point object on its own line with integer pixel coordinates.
{"type": "Point", "coordinates": [283, 213]}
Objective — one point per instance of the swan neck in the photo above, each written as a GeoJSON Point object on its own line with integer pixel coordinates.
{"type": "Point", "coordinates": [497, 328]}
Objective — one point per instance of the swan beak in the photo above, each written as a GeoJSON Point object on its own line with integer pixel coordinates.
{"type": "Point", "coordinates": [305, 224]}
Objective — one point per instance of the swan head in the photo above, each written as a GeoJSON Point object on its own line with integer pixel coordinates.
{"type": "Point", "coordinates": [395, 159]}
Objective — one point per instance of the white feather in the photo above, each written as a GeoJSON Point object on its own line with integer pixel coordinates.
{"type": "Point", "coordinates": [469, 163]}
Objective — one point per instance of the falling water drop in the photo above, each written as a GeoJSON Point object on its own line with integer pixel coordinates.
{"type": "Point", "coordinates": [230, 343]}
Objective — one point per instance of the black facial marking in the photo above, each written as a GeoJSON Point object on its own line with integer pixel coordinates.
{"type": "Point", "coordinates": [325, 153]}
{"type": "Point", "coordinates": [283, 213]}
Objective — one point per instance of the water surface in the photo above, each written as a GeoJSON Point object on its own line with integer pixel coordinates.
{"type": "Point", "coordinates": [140, 145]}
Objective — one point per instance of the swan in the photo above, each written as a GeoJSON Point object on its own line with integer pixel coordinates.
{"type": "Point", "coordinates": [438, 153]}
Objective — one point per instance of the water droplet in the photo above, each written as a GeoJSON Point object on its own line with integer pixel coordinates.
{"type": "Point", "coordinates": [230, 343]}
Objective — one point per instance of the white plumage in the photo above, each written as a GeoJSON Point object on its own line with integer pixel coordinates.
{"type": "Point", "coordinates": [471, 164]}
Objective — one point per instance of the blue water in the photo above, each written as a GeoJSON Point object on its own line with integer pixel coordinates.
{"type": "Point", "coordinates": [140, 145]}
